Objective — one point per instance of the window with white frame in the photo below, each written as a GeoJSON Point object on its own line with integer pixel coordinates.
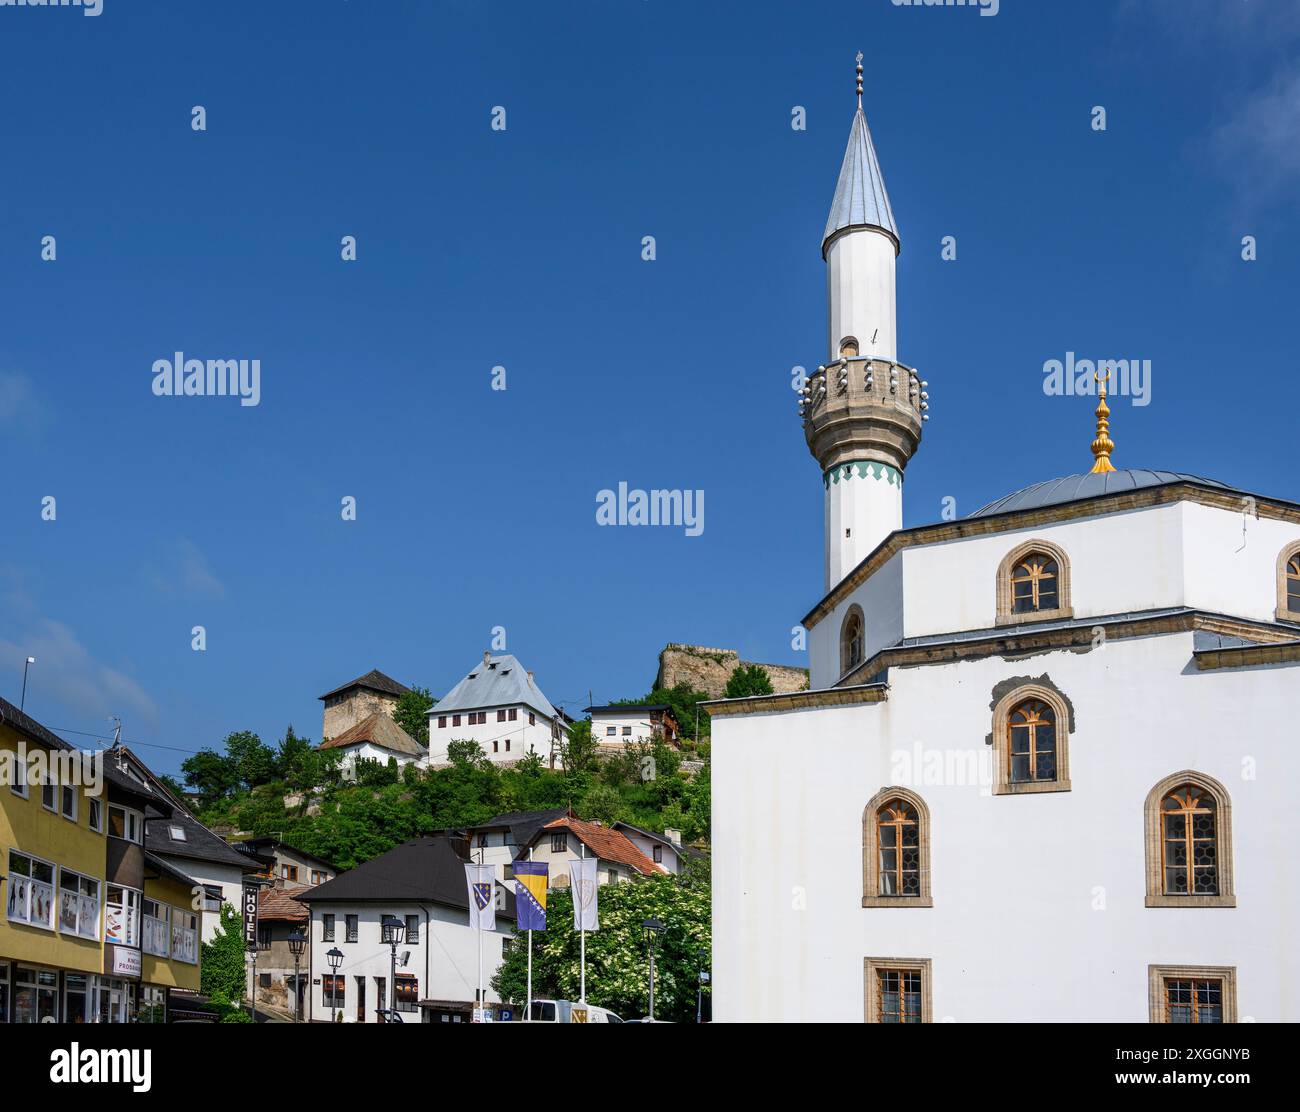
{"type": "Point", "coordinates": [95, 815]}
{"type": "Point", "coordinates": [122, 915]}
{"type": "Point", "coordinates": [185, 935]}
{"type": "Point", "coordinates": [212, 897]}
{"type": "Point", "coordinates": [18, 780]}
{"type": "Point", "coordinates": [31, 890]}
{"type": "Point", "coordinates": [78, 904]}
{"type": "Point", "coordinates": [68, 803]}
{"type": "Point", "coordinates": [126, 824]}
{"type": "Point", "coordinates": [154, 938]}
{"type": "Point", "coordinates": [47, 795]}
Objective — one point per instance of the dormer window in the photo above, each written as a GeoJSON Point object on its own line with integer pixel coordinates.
{"type": "Point", "coordinates": [852, 641]}
{"type": "Point", "coordinates": [1033, 584]}
{"type": "Point", "coordinates": [1288, 584]}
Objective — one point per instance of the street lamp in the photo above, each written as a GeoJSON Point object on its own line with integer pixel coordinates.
{"type": "Point", "coordinates": [335, 958]}
{"type": "Point", "coordinates": [653, 928]}
{"type": "Point", "coordinates": [297, 944]}
{"type": "Point", "coordinates": [22, 703]}
{"type": "Point", "coordinates": [394, 931]}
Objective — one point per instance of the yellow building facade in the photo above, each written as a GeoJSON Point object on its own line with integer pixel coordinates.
{"type": "Point", "coordinates": [93, 929]}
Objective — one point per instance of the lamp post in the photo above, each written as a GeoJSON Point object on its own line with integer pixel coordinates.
{"type": "Point", "coordinates": [653, 928]}
{"type": "Point", "coordinates": [395, 932]}
{"type": "Point", "coordinates": [297, 943]}
{"type": "Point", "coordinates": [335, 958]}
{"type": "Point", "coordinates": [22, 703]}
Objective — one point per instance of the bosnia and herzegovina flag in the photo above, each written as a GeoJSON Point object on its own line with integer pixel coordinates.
{"type": "Point", "coordinates": [530, 894]}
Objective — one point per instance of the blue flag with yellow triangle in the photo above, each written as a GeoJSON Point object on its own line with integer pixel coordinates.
{"type": "Point", "coordinates": [531, 878]}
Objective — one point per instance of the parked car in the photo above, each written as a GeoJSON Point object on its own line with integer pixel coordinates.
{"type": "Point", "coordinates": [563, 1011]}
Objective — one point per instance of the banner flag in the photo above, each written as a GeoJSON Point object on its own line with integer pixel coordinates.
{"type": "Point", "coordinates": [481, 880]}
{"type": "Point", "coordinates": [582, 879]}
{"type": "Point", "coordinates": [530, 894]}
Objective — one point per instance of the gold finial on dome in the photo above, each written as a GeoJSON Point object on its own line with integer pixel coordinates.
{"type": "Point", "coordinates": [1102, 446]}
{"type": "Point", "coordinates": [859, 78]}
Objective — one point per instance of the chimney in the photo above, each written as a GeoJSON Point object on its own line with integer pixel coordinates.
{"type": "Point", "coordinates": [530, 677]}
{"type": "Point", "coordinates": [674, 836]}
{"type": "Point", "coordinates": [487, 656]}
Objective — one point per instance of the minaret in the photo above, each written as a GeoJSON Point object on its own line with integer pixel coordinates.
{"type": "Point", "coordinates": [863, 411]}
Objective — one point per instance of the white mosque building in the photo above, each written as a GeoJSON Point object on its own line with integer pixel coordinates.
{"type": "Point", "coordinates": [1046, 767]}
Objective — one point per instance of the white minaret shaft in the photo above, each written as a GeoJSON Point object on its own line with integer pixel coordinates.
{"type": "Point", "coordinates": [862, 415]}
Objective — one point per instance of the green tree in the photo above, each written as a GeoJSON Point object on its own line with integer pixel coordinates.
{"type": "Point", "coordinates": [466, 753]}
{"type": "Point", "coordinates": [747, 680]}
{"type": "Point", "coordinates": [578, 750]}
{"type": "Point", "coordinates": [253, 761]}
{"type": "Point", "coordinates": [604, 804]}
{"type": "Point", "coordinates": [412, 713]}
{"type": "Point", "coordinates": [221, 969]}
{"type": "Point", "coordinates": [617, 960]}
{"type": "Point", "coordinates": [210, 774]}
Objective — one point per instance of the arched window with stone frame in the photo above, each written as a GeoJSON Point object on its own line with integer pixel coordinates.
{"type": "Point", "coordinates": [1034, 584]}
{"type": "Point", "coordinates": [1189, 843]}
{"type": "Point", "coordinates": [1288, 584]}
{"type": "Point", "coordinates": [1031, 741]}
{"type": "Point", "coordinates": [853, 640]}
{"type": "Point", "coordinates": [896, 850]}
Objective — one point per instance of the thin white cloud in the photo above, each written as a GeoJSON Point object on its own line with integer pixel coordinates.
{"type": "Point", "coordinates": [187, 572]}
{"type": "Point", "coordinates": [66, 673]}
{"type": "Point", "coordinates": [1259, 144]}
{"type": "Point", "coordinates": [19, 403]}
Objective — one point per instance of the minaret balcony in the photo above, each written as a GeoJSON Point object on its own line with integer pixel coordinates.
{"type": "Point", "coordinates": [863, 408]}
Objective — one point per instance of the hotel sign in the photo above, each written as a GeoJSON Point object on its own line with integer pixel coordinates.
{"type": "Point", "coordinates": [250, 916]}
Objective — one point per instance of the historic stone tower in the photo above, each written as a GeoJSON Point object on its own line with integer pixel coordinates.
{"type": "Point", "coordinates": [862, 411]}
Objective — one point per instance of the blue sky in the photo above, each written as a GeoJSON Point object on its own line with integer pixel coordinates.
{"type": "Point", "coordinates": [522, 248]}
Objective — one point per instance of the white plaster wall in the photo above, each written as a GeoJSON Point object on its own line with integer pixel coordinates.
{"type": "Point", "coordinates": [865, 508]}
{"type": "Point", "coordinates": [881, 599]}
{"type": "Point", "coordinates": [452, 955]}
{"type": "Point", "coordinates": [524, 739]}
{"type": "Point", "coordinates": [227, 877]}
{"type": "Point", "coordinates": [365, 751]}
{"type": "Point", "coordinates": [1014, 933]}
{"type": "Point", "coordinates": [640, 725]}
{"type": "Point", "coordinates": [861, 293]}
{"type": "Point", "coordinates": [1231, 560]}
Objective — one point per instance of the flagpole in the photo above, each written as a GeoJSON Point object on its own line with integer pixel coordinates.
{"type": "Point", "coordinates": [582, 941]}
{"type": "Point", "coordinates": [528, 1014]}
{"type": "Point", "coordinates": [480, 943]}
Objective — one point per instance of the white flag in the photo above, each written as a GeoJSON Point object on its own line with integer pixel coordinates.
{"type": "Point", "coordinates": [481, 881]}
{"type": "Point", "coordinates": [582, 880]}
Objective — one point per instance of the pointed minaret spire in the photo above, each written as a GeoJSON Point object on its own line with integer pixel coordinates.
{"type": "Point", "coordinates": [861, 200]}
{"type": "Point", "coordinates": [1103, 445]}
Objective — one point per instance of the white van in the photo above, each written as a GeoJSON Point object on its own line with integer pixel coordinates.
{"type": "Point", "coordinates": [566, 1011]}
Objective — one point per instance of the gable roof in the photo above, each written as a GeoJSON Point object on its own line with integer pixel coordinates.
{"type": "Point", "coordinates": [379, 729]}
{"type": "Point", "coordinates": [606, 843]}
{"type": "Point", "coordinates": [426, 870]}
{"type": "Point", "coordinates": [499, 681]}
{"type": "Point", "coordinates": [282, 904]}
{"type": "Point", "coordinates": [523, 825]}
{"type": "Point", "coordinates": [374, 680]}
{"type": "Point", "coordinates": [267, 847]}
{"type": "Point", "coordinates": [197, 842]}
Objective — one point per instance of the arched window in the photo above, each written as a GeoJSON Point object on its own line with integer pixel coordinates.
{"type": "Point", "coordinates": [1034, 584]}
{"type": "Point", "coordinates": [896, 850]}
{"type": "Point", "coordinates": [1288, 584]}
{"type": "Point", "coordinates": [849, 347]}
{"type": "Point", "coordinates": [853, 640]}
{"type": "Point", "coordinates": [1189, 843]}
{"type": "Point", "coordinates": [1031, 735]}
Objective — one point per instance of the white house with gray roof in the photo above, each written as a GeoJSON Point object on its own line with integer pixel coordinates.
{"type": "Point", "coordinates": [499, 705]}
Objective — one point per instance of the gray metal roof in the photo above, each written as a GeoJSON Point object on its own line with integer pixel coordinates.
{"type": "Point", "coordinates": [1072, 488]}
{"type": "Point", "coordinates": [500, 681]}
{"type": "Point", "coordinates": [860, 196]}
